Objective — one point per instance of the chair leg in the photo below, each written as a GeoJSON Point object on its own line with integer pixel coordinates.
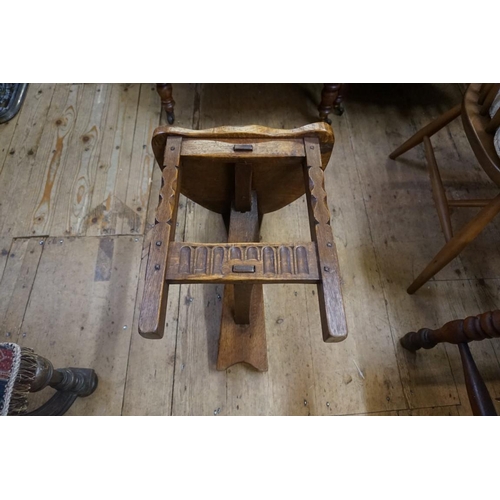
{"type": "Point", "coordinates": [460, 332]}
{"type": "Point", "coordinates": [438, 192]}
{"type": "Point", "coordinates": [167, 101]}
{"type": "Point", "coordinates": [428, 130]}
{"type": "Point", "coordinates": [329, 97]}
{"type": "Point", "coordinates": [456, 244]}
{"type": "Point", "coordinates": [479, 397]}
{"type": "Point", "coordinates": [338, 107]}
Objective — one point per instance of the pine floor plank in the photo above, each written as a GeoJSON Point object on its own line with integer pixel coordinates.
{"type": "Point", "coordinates": [108, 208]}
{"type": "Point", "coordinates": [402, 225]}
{"type": "Point", "coordinates": [15, 286]}
{"type": "Point", "coordinates": [360, 374]}
{"type": "Point", "coordinates": [5, 244]}
{"type": "Point", "coordinates": [376, 414]}
{"type": "Point", "coordinates": [138, 187]}
{"type": "Point", "coordinates": [40, 195]}
{"type": "Point", "coordinates": [437, 411]}
{"type": "Point", "coordinates": [82, 162]}
{"type": "Point", "coordinates": [18, 165]}
{"type": "Point", "coordinates": [7, 131]}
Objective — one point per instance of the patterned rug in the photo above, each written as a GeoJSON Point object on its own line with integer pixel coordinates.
{"type": "Point", "coordinates": [10, 363]}
{"type": "Point", "coordinates": [11, 98]}
{"type": "Point", "coordinates": [18, 366]}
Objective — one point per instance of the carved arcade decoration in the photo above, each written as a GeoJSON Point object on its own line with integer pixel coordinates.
{"type": "Point", "coordinates": [254, 262]}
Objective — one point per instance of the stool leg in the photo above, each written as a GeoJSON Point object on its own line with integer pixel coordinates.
{"type": "Point", "coordinates": [242, 301]}
{"type": "Point", "coordinates": [243, 327]}
{"type": "Point", "coordinates": [338, 107]}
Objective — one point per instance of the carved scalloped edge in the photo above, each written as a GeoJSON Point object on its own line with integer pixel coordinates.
{"type": "Point", "coordinates": [166, 205]}
{"type": "Point", "coordinates": [319, 202]}
{"type": "Point", "coordinates": [322, 131]}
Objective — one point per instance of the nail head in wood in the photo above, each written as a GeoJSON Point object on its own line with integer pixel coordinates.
{"type": "Point", "coordinates": [158, 243]}
{"type": "Point", "coordinates": [157, 267]}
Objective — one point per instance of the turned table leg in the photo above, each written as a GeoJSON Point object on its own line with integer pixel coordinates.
{"type": "Point", "coordinates": [167, 101]}
{"type": "Point", "coordinates": [332, 98]}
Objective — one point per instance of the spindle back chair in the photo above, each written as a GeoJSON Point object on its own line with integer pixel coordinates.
{"type": "Point", "coordinates": [480, 130]}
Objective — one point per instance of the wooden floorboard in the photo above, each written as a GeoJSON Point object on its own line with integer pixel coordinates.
{"type": "Point", "coordinates": [78, 192]}
{"type": "Point", "coordinates": [82, 163]}
{"type": "Point", "coordinates": [22, 158]}
{"type": "Point", "coordinates": [150, 373]}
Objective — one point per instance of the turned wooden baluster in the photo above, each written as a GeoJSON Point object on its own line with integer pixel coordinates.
{"type": "Point", "coordinates": [331, 99]}
{"type": "Point", "coordinates": [460, 332]}
{"type": "Point", "coordinates": [167, 101]}
{"type": "Point", "coordinates": [70, 384]}
{"type": "Point", "coordinates": [154, 300]}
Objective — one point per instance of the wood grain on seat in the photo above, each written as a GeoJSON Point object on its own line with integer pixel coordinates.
{"type": "Point", "coordinates": [277, 157]}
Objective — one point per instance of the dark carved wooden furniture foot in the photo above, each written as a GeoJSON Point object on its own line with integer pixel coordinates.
{"type": "Point", "coordinates": [243, 173]}
{"type": "Point", "coordinates": [167, 101]}
{"type": "Point", "coordinates": [461, 332]}
{"type": "Point", "coordinates": [332, 98]}
{"type": "Point", "coordinates": [70, 384]}
{"type": "Point", "coordinates": [22, 371]}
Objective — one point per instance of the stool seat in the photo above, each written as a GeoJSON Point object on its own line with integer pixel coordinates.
{"type": "Point", "coordinates": [276, 157]}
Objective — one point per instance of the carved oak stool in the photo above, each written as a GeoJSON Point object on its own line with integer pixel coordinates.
{"type": "Point", "coordinates": [243, 173]}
